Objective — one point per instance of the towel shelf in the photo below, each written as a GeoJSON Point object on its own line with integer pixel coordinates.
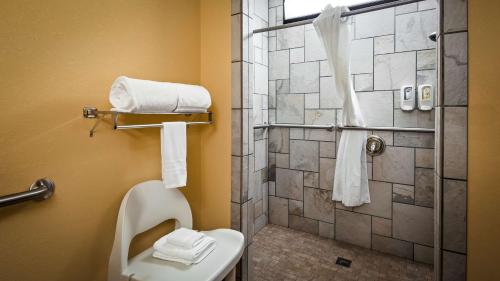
{"type": "Point", "coordinates": [331, 127]}
{"type": "Point", "coordinates": [91, 112]}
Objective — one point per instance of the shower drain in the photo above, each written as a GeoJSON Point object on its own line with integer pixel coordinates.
{"type": "Point", "coordinates": [343, 262]}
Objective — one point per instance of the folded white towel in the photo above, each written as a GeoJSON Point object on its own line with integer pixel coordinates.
{"type": "Point", "coordinates": [135, 95]}
{"type": "Point", "coordinates": [193, 98]}
{"type": "Point", "coordinates": [173, 154]}
{"type": "Point", "coordinates": [167, 251]}
{"type": "Point", "coordinates": [183, 237]}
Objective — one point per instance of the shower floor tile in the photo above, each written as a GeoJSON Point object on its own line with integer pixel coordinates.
{"type": "Point", "coordinates": [285, 254]}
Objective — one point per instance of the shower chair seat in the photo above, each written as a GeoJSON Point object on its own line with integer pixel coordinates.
{"type": "Point", "coordinates": [146, 205]}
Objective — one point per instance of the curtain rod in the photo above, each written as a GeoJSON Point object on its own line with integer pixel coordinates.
{"type": "Point", "coordinates": [379, 5]}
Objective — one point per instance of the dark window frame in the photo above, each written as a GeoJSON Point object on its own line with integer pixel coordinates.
{"type": "Point", "coordinates": [352, 8]}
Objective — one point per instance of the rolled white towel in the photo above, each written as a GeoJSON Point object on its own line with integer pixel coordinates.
{"type": "Point", "coordinates": [193, 98]}
{"type": "Point", "coordinates": [193, 255]}
{"type": "Point", "coordinates": [135, 95]}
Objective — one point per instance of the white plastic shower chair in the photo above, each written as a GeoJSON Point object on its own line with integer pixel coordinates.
{"type": "Point", "coordinates": [146, 205]}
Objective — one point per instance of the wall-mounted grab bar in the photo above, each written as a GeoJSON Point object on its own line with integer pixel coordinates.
{"type": "Point", "coordinates": [331, 127]}
{"type": "Point", "coordinates": [41, 189]}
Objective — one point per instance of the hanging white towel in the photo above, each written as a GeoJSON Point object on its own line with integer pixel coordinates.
{"type": "Point", "coordinates": [173, 154]}
{"type": "Point", "coordinates": [351, 180]}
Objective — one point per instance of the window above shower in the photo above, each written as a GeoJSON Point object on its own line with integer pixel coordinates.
{"type": "Point", "coordinates": [297, 10]}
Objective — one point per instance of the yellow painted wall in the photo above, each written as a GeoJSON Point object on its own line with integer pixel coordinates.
{"type": "Point", "coordinates": [55, 57]}
{"type": "Point", "coordinates": [484, 139]}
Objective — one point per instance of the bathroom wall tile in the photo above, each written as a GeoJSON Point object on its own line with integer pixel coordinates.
{"type": "Point", "coordinates": [424, 158]}
{"type": "Point", "coordinates": [454, 215]}
{"type": "Point", "coordinates": [304, 77]}
{"type": "Point", "coordinates": [423, 254]}
{"type": "Point", "coordinates": [427, 77]}
{"type": "Point", "coordinates": [279, 140]}
{"type": "Point", "coordinates": [455, 69]}
{"type": "Point", "coordinates": [383, 44]}
{"type": "Point", "coordinates": [454, 15]}
{"type": "Point", "coordinates": [278, 211]}
{"type": "Point", "coordinates": [261, 79]}
{"type": "Point", "coordinates": [290, 109]}
{"type": "Point", "coordinates": [454, 267]}
{"type": "Point", "coordinates": [295, 207]}
{"type": "Point", "coordinates": [313, 48]}
{"type": "Point", "coordinates": [297, 55]}
{"type": "Point", "coordinates": [289, 184]}
{"type": "Point", "coordinates": [455, 143]}
{"type": "Point", "coordinates": [246, 168]}
{"type": "Point", "coordinates": [236, 37]}
{"type": "Point", "coordinates": [410, 139]}
{"type": "Point", "coordinates": [260, 222]}
{"type": "Point", "coordinates": [424, 187]}
{"type": "Point", "coordinates": [311, 179]}
{"type": "Point", "coordinates": [236, 141]}
{"type": "Point", "coordinates": [392, 246]}
{"type": "Point", "coordinates": [388, 136]}
{"type": "Point", "coordinates": [319, 135]}
{"type": "Point", "coordinates": [258, 208]}
{"type": "Point", "coordinates": [318, 204]}
{"type": "Point", "coordinates": [304, 155]}
{"type": "Point", "coordinates": [392, 71]}
{"type": "Point", "coordinates": [353, 228]}
{"type": "Point", "coordinates": [365, 27]}
{"type": "Point", "coordinates": [279, 65]}
{"type": "Point", "coordinates": [272, 188]}
{"type": "Point", "coordinates": [414, 119]}
{"type": "Point", "coordinates": [261, 9]}
{"type": "Point", "coordinates": [244, 221]}
{"type": "Point", "coordinates": [292, 37]}
{"type": "Point", "coordinates": [236, 78]}
{"type": "Point", "coordinates": [412, 31]}
{"type": "Point", "coordinates": [283, 86]}
{"type": "Point", "coordinates": [327, 95]}
{"type": "Point", "coordinates": [377, 108]}
{"type": "Point", "coordinates": [326, 230]}
{"type": "Point", "coordinates": [282, 160]}
{"type": "Point", "coordinates": [327, 149]}
{"type": "Point", "coordinates": [326, 173]}
{"type": "Point", "coordinates": [361, 56]}
{"type": "Point", "coordinates": [235, 6]}
{"type": "Point", "coordinates": [312, 101]}
{"type": "Point", "coordinates": [427, 5]}
{"type": "Point", "coordinates": [413, 223]}
{"type": "Point", "coordinates": [381, 226]}
{"type": "Point", "coordinates": [426, 59]}
{"type": "Point", "coordinates": [396, 165]}
{"type": "Point", "coordinates": [235, 216]}
{"type": "Point", "coordinates": [405, 9]}
{"type": "Point", "coordinates": [363, 82]}
{"type": "Point", "coordinates": [304, 224]}
{"type": "Point", "coordinates": [296, 133]}
{"type": "Point", "coordinates": [236, 163]}
{"type": "Point", "coordinates": [403, 193]}
{"type": "Point", "coordinates": [324, 68]}
{"type": "Point", "coordinates": [272, 44]}
{"type": "Point", "coordinates": [380, 200]}
{"type": "Point", "coordinates": [260, 154]}
{"type": "Point", "coordinates": [246, 39]}
{"type": "Point", "coordinates": [274, 3]}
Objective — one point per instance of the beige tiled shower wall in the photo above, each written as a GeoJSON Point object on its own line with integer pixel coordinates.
{"type": "Point", "coordinates": [390, 49]}
{"type": "Point", "coordinates": [249, 107]}
{"type": "Point", "coordinates": [451, 138]}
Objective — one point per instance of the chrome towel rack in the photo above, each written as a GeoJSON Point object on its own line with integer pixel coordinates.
{"type": "Point", "coordinates": [332, 127]}
{"type": "Point", "coordinates": [41, 189]}
{"type": "Point", "coordinates": [91, 112]}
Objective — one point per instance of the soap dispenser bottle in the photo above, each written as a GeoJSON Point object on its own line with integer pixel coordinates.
{"type": "Point", "coordinates": [407, 98]}
{"type": "Point", "coordinates": [425, 97]}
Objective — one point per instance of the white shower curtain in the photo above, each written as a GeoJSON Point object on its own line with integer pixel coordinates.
{"type": "Point", "coordinates": [351, 179]}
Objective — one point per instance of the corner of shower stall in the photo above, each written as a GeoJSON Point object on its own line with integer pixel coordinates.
{"type": "Point", "coordinates": [284, 176]}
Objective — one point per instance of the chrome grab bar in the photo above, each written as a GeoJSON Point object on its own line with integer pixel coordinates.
{"type": "Point", "coordinates": [41, 189]}
{"type": "Point", "coordinates": [332, 127]}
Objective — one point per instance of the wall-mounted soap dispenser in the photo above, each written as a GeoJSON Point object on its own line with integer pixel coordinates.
{"type": "Point", "coordinates": [407, 98]}
{"type": "Point", "coordinates": [425, 97]}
